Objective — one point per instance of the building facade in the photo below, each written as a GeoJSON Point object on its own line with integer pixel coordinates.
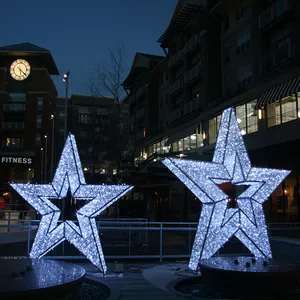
{"type": "Point", "coordinates": [230, 53]}
{"type": "Point", "coordinates": [27, 99]}
{"type": "Point", "coordinates": [94, 122]}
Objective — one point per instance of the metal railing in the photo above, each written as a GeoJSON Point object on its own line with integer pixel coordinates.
{"type": "Point", "coordinates": [16, 107]}
{"type": "Point", "coordinates": [135, 239]}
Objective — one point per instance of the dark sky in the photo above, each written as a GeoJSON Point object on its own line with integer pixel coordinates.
{"type": "Point", "coordinates": [80, 32]}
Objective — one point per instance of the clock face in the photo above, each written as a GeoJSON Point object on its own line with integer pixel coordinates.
{"type": "Point", "coordinates": [20, 69]}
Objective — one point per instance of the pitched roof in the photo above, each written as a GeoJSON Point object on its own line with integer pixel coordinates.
{"type": "Point", "coordinates": [24, 47]}
{"type": "Point", "coordinates": [28, 49]}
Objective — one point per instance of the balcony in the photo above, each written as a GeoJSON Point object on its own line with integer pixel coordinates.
{"type": "Point", "coordinates": [191, 106]}
{"type": "Point", "coordinates": [140, 114]}
{"type": "Point", "coordinates": [174, 115]}
{"type": "Point", "coordinates": [13, 125]}
{"type": "Point", "coordinates": [14, 107]}
{"type": "Point", "coordinates": [175, 60]}
{"type": "Point", "coordinates": [273, 12]}
{"type": "Point", "coordinates": [140, 92]}
{"type": "Point", "coordinates": [278, 56]}
{"type": "Point", "coordinates": [192, 74]}
{"type": "Point", "coordinates": [191, 44]}
{"type": "Point", "coordinates": [176, 86]}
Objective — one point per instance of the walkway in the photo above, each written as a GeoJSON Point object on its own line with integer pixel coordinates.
{"type": "Point", "coordinates": [150, 283]}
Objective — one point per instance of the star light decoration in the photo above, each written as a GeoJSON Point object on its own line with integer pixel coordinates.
{"type": "Point", "coordinates": [218, 223]}
{"type": "Point", "coordinates": [69, 175]}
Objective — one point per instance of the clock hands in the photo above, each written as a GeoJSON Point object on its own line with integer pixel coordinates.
{"type": "Point", "coordinates": [22, 71]}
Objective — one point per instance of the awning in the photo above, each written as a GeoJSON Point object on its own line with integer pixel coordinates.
{"type": "Point", "coordinates": [181, 134]}
{"type": "Point", "coordinates": [278, 92]}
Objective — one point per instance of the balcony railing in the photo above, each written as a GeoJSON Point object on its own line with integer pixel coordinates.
{"type": "Point", "coordinates": [140, 91]}
{"type": "Point", "coordinates": [191, 44]}
{"type": "Point", "coordinates": [176, 86]}
{"type": "Point", "coordinates": [191, 106]}
{"type": "Point", "coordinates": [278, 56]}
{"type": "Point", "coordinates": [13, 125]}
{"type": "Point", "coordinates": [176, 59]}
{"type": "Point", "coordinates": [192, 74]}
{"type": "Point", "coordinates": [276, 10]}
{"type": "Point", "coordinates": [16, 107]}
{"type": "Point", "coordinates": [174, 115]}
{"type": "Point", "coordinates": [140, 113]}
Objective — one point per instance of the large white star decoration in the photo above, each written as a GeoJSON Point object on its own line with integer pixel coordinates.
{"type": "Point", "coordinates": [219, 221]}
{"type": "Point", "coordinates": [69, 177]}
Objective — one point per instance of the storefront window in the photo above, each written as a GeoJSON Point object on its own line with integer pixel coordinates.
{"type": "Point", "coordinates": [175, 146]}
{"type": "Point", "coordinates": [283, 111]}
{"type": "Point", "coordinates": [289, 108]}
{"type": "Point", "coordinates": [213, 128]}
{"type": "Point", "coordinates": [247, 117]}
{"type": "Point", "coordinates": [186, 143]}
{"type": "Point", "coordinates": [193, 140]}
{"type": "Point", "coordinates": [180, 145]}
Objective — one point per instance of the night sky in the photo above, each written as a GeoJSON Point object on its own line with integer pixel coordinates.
{"type": "Point", "coordinates": [80, 32]}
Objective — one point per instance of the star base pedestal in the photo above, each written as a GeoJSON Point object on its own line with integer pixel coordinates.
{"type": "Point", "coordinates": [38, 279]}
{"type": "Point", "coordinates": [245, 277]}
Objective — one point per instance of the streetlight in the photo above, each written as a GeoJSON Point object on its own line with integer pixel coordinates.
{"type": "Point", "coordinates": [52, 146]}
{"type": "Point", "coordinates": [46, 146]}
{"type": "Point", "coordinates": [66, 80]}
{"type": "Point", "coordinates": [42, 164]}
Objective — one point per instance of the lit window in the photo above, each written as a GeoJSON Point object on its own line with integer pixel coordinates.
{"type": "Point", "coordinates": [17, 97]}
{"type": "Point", "coordinates": [213, 128]}
{"type": "Point", "coordinates": [39, 121]}
{"type": "Point", "coordinates": [247, 117]}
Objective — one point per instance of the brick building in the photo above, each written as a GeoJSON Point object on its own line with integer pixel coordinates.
{"type": "Point", "coordinates": [27, 97]}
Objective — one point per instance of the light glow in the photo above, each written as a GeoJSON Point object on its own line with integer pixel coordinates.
{"type": "Point", "coordinates": [69, 176]}
{"type": "Point", "coordinates": [218, 223]}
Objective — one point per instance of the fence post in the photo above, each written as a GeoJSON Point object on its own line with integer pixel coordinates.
{"type": "Point", "coordinates": [8, 222]}
{"type": "Point", "coordinates": [160, 243]}
{"type": "Point", "coordinates": [189, 238]}
{"type": "Point", "coordinates": [129, 241]}
{"type": "Point", "coordinates": [28, 237]}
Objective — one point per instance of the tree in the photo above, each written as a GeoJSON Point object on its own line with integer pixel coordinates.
{"type": "Point", "coordinates": [106, 81]}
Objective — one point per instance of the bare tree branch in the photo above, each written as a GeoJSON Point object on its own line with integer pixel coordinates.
{"type": "Point", "coordinates": [106, 81]}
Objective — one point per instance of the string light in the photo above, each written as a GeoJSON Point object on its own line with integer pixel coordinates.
{"type": "Point", "coordinates": [69, 175]}
{"type": "Point", "coordinates": [218, 223]}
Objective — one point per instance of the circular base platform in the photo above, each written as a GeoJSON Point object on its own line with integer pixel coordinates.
{"type": "Point", "coordinates": [38, 278]}
{"type": "Point", "coordinates": [249, 277]}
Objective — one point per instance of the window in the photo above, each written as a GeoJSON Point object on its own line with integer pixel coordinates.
{"type": "Point", "coordinates": [242, 11]}
{"type": "Point", "coordinates": [213, 128]}
{"type": "Point", "coordinates": [17, 97]}
{"type": "Point", "coordinates": [245, 75]}
{"type": "Point", "coordinates": [83, 110]}
{"type": "Point", "coordinates": [38, 121]}
{"type": "Point", "coordinates": [14, 142]}
{"type": "Point", "coordinates": [38, 139]}
{"type": "Point", "coordinates": [247, 117]}
{"type": "Point", "coordinates": [40, 101]}
{"type": "Point", "coordinates": [102, 111]}
{"type": "Point", "coordinates": [84, 119]}
{"type": "Point", "coordinates": [226, 23]}
{"type": "Point", "coordinates": [283, 111]}
{"type": "Point", "coordinates": [243, 42]}
{"type": "Point", "coordinates": [62, 114]}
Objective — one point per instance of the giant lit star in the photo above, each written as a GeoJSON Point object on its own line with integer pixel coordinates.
{"type": "Point", "coordinates": [218, 221]}
{"type": "Point", "coordinates": [69, 177]}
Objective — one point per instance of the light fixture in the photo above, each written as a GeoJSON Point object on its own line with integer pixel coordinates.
{"type": "Point", "coordinates": [204, 135]}
{"type": "Point", "coordinates": [193, 137]}
{"type": "Point", "coordinates": [42, 149]}
{"type": "Point", "coordinates": [46, 136]}
{"type": "Point", "coordinates": [286, 191]}
{"type": "Point", "coordinates": [66, 76]}
{"type": "Point", "coordinates": [260, 114]}
{"type": "Point", "coordinates": [52, 117]}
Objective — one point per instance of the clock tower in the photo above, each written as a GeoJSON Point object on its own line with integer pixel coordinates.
{"type": "Point", "coordinates": [27, 98]}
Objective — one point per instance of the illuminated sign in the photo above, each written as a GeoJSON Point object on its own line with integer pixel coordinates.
{"type": "Point", "coordinates": [16, 160]}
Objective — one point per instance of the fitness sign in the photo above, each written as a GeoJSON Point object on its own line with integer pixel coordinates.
{"type": "Point", "coordinates": [16, 160]}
